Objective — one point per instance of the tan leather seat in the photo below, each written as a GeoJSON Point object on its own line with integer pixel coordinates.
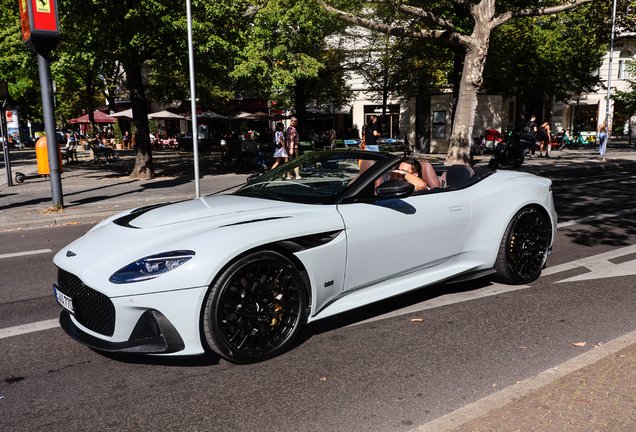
{"type": "Point", "coordinates": [429, 175]}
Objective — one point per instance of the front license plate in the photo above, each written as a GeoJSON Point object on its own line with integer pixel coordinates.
{"type": "Point", "coordinates": [65, 301]}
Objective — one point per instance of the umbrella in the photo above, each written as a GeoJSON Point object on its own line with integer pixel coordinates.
{"type": "Point", "coordinates": [100, 117]}
{"type": "Point", "coordinates": [241, 115]}
{"type": "Point", "coordinates": [210, 115]}
{"type": "Point", "coordinates": [165, 115]}
{"type": "Point", "coordinates": [126, 114]}
{"type": "Point", "coordinates": [258, 116]}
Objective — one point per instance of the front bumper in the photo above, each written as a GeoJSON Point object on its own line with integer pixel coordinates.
{"type": "Point", "coordinates": [152, 334]}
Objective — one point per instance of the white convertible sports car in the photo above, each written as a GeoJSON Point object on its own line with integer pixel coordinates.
{"type": "Point", "coordinates": [239, 274]}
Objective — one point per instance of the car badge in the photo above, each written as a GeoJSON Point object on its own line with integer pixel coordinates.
{"type": "Point", "coordinates": [70, 254]}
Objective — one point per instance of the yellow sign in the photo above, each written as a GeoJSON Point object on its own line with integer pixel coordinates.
{"type": "Point", "coordinates": [43, 6]}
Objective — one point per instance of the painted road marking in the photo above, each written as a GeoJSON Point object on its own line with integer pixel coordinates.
{"type": "Point", "coordinates": [599, 266]}
{"type": "Point", "coordinates": [595, 218]}
{"type": "Point", "coordinates": [28, 328]}
{"type": "Point", "coordinates": [33, 252]}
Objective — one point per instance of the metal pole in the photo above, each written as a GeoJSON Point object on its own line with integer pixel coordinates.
{"type": "Point", "coordinates": [49, 127]}
{"type": "Point", "coordinates": [5, 145]}
{"type": "Point", "coordinates": [609, 82]}
{"type": "Point", "coordinates": [193, 102]}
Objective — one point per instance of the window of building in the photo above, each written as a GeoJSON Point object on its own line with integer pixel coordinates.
{"type": "Point", "coordinates": [439, 125]}
{"type": "Point", "coordinates": [623, 61]}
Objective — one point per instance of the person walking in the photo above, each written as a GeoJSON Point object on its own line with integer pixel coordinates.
{"type": "Point", "coordinates": [602, 138]}
{"type": "Point", "coordinates": [281, 154]}
{"type": "Point", "coordinates": [292, 143]}
{"type": "Point", "coordinates": [371, 134]}
{"type": "Point", "coordinates": [543, 137]}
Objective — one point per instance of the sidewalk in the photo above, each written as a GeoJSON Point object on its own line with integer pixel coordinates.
{"type": "Point", "coordinates": [93, 192]}
{"type": "Point", "coordinates": [595, 391]}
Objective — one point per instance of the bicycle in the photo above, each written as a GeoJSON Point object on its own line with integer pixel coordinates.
{"type": "Point", "coordinates": [576, 142]}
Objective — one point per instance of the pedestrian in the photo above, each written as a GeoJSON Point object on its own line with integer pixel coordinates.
{"type": "Point", "coordinates": [602, 138]}
{"type": "Point", "coordinates": [281, 154]}
{"type": "Point", "coordinates": [531, 129]}
{"type": "Point", "coordinates": [371, 134]}
{"type": "Point", "coordinates": [332, 138]}
{"type": "Point", "coordinates": [543, 137]}
{"type": "Point", "coordinates": [249, 147]}
{"type": "Point", "coordinates": [292, 143]}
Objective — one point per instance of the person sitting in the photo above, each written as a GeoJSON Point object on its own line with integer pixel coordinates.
{"type": "Point", "coordinates": [110, 152]}
{"type": "Point", "coordinates": [410, 170]}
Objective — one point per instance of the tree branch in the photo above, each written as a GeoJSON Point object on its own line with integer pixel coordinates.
{"type": "Point", "coordinates": [447, 35]}
{"type": "Point", "coordinates": [419, 12]}
{"type": "Point", "coordinates": [572, 4]}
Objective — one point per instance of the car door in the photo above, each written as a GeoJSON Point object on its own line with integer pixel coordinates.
{"type": "Point", "coordinates": [388, 238]}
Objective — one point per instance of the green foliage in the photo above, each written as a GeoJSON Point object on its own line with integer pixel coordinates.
{"type": "Point", "coordinates": [286, 51]}
{"type": "Point", "coordinates": [625, 101]}
{"type": "Point", "coordinates": [217, 32]}
{"type": "Point", "coordinates": [540, 58]}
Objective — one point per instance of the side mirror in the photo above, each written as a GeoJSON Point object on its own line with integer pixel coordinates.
{"type": "Point", "coordinates": [394, 189]}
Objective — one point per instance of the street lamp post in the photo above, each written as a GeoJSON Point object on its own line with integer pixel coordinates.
{"type": "Point", "coordinates": [609, 82]}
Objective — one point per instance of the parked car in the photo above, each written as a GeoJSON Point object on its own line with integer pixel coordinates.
{"type": "Point", "coordinates": [239, 274]}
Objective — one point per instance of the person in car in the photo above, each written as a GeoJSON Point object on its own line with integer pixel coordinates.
{"type": "Point", "coordinates": [410, 170]}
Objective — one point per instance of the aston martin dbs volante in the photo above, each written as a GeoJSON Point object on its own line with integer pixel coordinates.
{"type": "Point", "coordinates": [238, 274]}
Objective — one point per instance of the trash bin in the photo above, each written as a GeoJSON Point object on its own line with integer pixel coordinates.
{"type": "Point", "coordinates": [42, 155]}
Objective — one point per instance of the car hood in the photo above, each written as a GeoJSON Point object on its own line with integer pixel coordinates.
{"type": "Point", "coordinates": [215, 227]}
{"type": "Point", "coordinates": [223, 207]}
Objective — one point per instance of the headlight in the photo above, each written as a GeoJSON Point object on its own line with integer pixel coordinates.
{"type": "Point", "coordinates": [150, 267]}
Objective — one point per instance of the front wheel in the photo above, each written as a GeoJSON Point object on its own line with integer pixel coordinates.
{"type": "Point", "coordinates": [255, 308]}
{"type": "Point", "coordinates": [524, 247]}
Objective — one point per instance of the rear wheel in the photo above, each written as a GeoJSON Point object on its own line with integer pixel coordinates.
{"type": "Point", "coordinates": [524, 248]}
{"type": "Point", "coordinates": [254, 309]}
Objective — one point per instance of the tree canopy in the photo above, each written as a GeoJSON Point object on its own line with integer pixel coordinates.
{"type": "Point", "coordinates": [471, 29]}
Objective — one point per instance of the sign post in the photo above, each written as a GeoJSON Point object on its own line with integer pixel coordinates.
{"type": "Point", "coordinates": [41, 32]}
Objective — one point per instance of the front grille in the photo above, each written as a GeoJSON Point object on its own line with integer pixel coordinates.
{"type": "Point", "coordinates": [147, 330]}
{"type": "Point", "coordinates": [93, 309]}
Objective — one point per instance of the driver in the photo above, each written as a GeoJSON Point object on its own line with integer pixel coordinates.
{"type": "Point", "coordinates": [410, 170]}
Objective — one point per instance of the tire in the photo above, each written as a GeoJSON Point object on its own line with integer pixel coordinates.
{"type": "Point", "coordinates": [477, 150]}
{"type": "Point", "coordinates": [255, 308]}
{"type": "Point", "coordinates": [524, 247]}
{"type": "Point", "coordinates": [19, 177]}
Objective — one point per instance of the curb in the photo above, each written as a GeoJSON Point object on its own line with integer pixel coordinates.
{"type": "Point", "coordinates": [49, 221]}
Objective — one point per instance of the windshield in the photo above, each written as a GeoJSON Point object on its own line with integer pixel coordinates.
{"type": "Point", "coordinates": [319, 177]}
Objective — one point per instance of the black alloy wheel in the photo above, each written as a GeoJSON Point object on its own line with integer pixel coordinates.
{"type": "Point", "coordinates": [524, 248]}
{"type": "Point", "coordinates": [255, 308]}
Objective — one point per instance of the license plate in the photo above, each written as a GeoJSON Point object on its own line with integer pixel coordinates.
{"type": "Point", "coordinates": [65, 301]}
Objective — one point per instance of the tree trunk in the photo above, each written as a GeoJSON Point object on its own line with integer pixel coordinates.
{"type": "Point", "coordinates": [464, 116]}
{"type": "Point", "coordinates": [300, 103]}
{"type": "Point", "coordinates": [144, 167]}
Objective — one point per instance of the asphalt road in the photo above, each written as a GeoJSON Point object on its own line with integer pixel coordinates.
{"type": "Point", "coordinates": [372, 369]}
